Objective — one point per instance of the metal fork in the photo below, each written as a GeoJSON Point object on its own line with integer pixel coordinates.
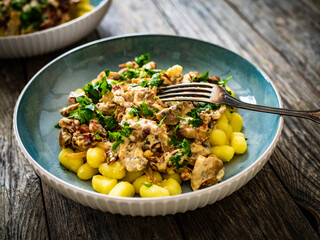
{"type": "Point", "coordinates": [212, 93]}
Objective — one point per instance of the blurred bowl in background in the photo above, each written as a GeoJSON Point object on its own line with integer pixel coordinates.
{"type": "Point", "coordinates": [54, 38]}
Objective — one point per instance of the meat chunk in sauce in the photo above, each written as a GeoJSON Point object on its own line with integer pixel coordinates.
{"type": "Point", "coordinates": [206, 172]}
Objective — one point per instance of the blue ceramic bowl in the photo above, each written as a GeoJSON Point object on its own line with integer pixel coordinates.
{"type": "Point", "coordinates": [37, 111]}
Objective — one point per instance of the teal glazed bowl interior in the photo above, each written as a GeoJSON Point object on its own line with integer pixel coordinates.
{"type": "Point", "coordinates": [37, 110]}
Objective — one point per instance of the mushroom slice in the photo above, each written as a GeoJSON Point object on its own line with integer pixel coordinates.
{"type": "Point", "coordinates": [206, 172]}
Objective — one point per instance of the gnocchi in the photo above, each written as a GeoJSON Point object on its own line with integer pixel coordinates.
{"type": "Point", "coordinates": [122, 136]}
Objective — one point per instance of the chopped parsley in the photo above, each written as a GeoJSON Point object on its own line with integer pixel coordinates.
{"type": "Point", "coordinates": [87, 111]}
{"type": "Point", "coordinates": [150, 72]}
{"type": "Point", "coordinates": [107, 72]}
{"type": "Point", "coordinates": [181, 118]}
{"type": "Point", "coordinates": [126, 130]}
{"type": "Point", "coordinates": [97, 135]}
{"type": "Point", "coordinates": [109, 123]}
{"type": "Point", "coordinates": [117, 136]}
{"type": "Point", "coordinates": [194, 113]}
{"type": "Point", "coordinates": [146, 110]}
{"type": "Point", "coordinates": [176, 160]}
{"type": "Point", "coordinates": [134, 111]}
{"type": "Point", "coordinates": [161, 122]}
{"type": "Point", "coordinates": [204, 106]}
{"type": "Point", "coordinates": [202, 78]}
{"type": "Point", "coordinates": [130, 73]}
{"type": "Point", "coordinates": [147, 184]}
{"type": "Point", "coordinates": [196, 122]}
{"type": "Point", "coordinates": [96, 91]}
{"type": "Point", "coordinates": [176, 128]}
{"type": "Point", "coordinates": [175, 141]}
{"type": "Point", "coordinates": [144, 84]}
{"type": "Point", "coordinates": [156, 80]}
{"type": "Point", "coordinates": [143, 59]}
{"type": "Point", "coordinates": [223, 82]}
{"type": "Point", "coordinates": [115, 82]}
{"type": "Point", "coordinates": [186, 148]}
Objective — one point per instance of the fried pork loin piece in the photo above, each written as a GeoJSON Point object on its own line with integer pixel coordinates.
{"type": "Point", "coordinates": [131, 156]}
{"type": "Point", "coordinates": [79, 136]}
{"type": "Point", "coordinates": [67, 110]}
{"type": "Point", "coordinates": [145, 136]}
{"type": "Point", "coordinates": [187, 78]}
{"type": "Point", "coordinates": [206, 172]}
{"type": "Point", "coordinates": [171, 113]}
{"type": "Point", "coordinates": [197, 149]}
{"type": "Point", "coordinates": [188, 131]}
{"type": "Point", "coordinates": [162, 163]}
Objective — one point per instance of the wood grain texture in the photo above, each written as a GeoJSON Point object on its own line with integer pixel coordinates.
{"type": "Point", "coordinates": [297, 166]}
{"type": "Point", "coordinates": [268, 206]}
{"type": "Point", "coordinates": [70, 220]}
{"type": "Point", "coordinates": [21, 205]}
{"type": "Point", "coordinates": [246, 214]}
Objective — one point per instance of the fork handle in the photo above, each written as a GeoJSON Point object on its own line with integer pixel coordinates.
{"type": "Point", "coordinates": [312, 115]}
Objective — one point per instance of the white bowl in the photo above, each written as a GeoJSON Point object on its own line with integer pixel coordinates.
{"type": "Point", "coordinates": [37, 111]}
{"type": "Point", "coordinates": [54, 38]}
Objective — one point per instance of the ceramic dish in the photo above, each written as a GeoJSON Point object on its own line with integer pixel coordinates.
{"type": "Point", "coordinates": [37, 111]}
{"type": "Point", "coordinates": [54, 38]}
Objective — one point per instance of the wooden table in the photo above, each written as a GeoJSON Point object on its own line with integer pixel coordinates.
{"type": "Point", "coordinates": [281, 202]}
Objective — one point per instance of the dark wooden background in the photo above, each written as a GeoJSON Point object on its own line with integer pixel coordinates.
{"type": "Point", "coordinates": [281, 202]}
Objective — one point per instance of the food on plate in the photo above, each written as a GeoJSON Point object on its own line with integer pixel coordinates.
{"type": "Point", "coordinates": [118, 132]}
{"type": "Point", "coordinates": [27, 16]}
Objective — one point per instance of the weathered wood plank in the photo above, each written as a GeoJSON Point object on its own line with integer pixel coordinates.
{"type": "Point", "coordinates": [261, 204]}
{"type": "Point", "coordinates": [21, 207]}
{"type": "Point", "coordinates": [291, 29]}
{"type": "Point", "coordinates": [218, 23]}
{"type": "Point", "coordinates": [133, 17]}
{"type": "Point", "coordinates": [70, 220]}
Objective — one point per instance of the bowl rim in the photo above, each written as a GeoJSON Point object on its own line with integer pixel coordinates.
{"type": "Point", "coordinates": [38, 167]}
{"type": "Point", "coordinates": [63, 25]}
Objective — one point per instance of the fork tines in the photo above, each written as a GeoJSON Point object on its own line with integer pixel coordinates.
{"type": "Point", "coordinates": [199, 92]}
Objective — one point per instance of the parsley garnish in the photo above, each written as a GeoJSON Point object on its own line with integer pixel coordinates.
{"type": "Point", "coordinates": [150, 72]}
{"type": "Point", "coordinates": [116, 82]}
{"type": "Point", "coordinates": [107, 72]}
{"type": "Point", "coordinates": [108, 123]}
{"type": "Point", "coordinates": [126, 130]}
{"type": "Point", "coordinates": [161, 122]}
{"type": "Point", "coordinates": [97, 135]}
{"type": "Point", "coordinates": [144, 84]}
{"type": "Point", "coordinates": [196, 122]}
{"type": "Point", "coordinates": [87, 110]}
{"type": "Point", "coordinates": [175, 142]}
{"type": "Point", "coordinates": [117, 136]}
{"type": "Point", "coordinates": [146, 110]}
{"type": "Point", "coordinates": [202, 78]}
{"type": "Point", "coordinates": [95, 92]}
{"type": "Point", "coordinates": [155, 80]}
{"type": "Point", "coordinates": [130, 73]}
{"type": "Point", "coordinates": [134, 111]}
{"type": "Point", "coordinates": [176, 128]}
{"type": "Point", "coordinates": [186, 148]}
{"type": "Point", "coordinates": [57, 126]}
{"type": "Point", "coordinates": [147, 184]}
{"type": "Point", "coordinates": [204, 106]}
{"type": "Point", "coordinates": [194, 113]}
{"type": "Point", "coordinates": [176, 160]}
{"type": "Point", "coordinates": [180, 118]}
{"type": "Point", "coordinates": [143, 59]}
{"type": "Point", "coordinates": [223, 82]}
